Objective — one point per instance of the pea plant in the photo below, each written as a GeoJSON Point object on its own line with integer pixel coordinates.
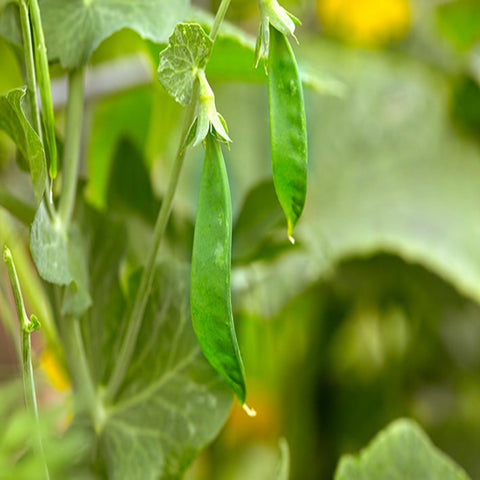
{"type": "Point", "coordinates": [146, 337]}
{"type": "Point", "coordinates": [153, 361]}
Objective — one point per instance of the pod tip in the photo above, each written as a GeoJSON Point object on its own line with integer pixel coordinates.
{"type": "Point", "coordinates": [249, 411]}
{"type": "Point", "coordinates": [292, 240]}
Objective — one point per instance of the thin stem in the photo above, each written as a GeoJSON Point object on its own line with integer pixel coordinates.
{"type": "Point", "coordinates": [27, 327]}
{"type": "Point", "coordinates": [86, 397]}
{"type": "Point", "coordinates": [34, 114]}
{"type": "Point", "coordinates": [143, 292]}
{"type": "Point", "coordinates": [222, 10]}
{"type": "Point", "coordinates": [43, 74]}
{"type": "Point", "coordinates": [73, 139]}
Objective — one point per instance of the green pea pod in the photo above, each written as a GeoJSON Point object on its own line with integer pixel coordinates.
{"type": "Point", "coordinates": [288, 128]}
{"type": "Point", "coordinates": [210, 299]}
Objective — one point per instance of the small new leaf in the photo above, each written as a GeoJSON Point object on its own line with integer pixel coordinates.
{"type": "Point", "coordinates": [33, 324]}
{"type": "Point", "coordinates": [189, 48]}
{"type": "Point", "coordinates": [274, 14]}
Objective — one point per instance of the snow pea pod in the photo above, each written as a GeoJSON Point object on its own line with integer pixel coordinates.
{"type": "Point", "coordinates": [210, 298]}
{"type": "Point", "coordinates": [288, 129]}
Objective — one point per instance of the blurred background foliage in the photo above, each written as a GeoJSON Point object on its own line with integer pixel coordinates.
{"type": "Point", "coordinates": [374, 314]}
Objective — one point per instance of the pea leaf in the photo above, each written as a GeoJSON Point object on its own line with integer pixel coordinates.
{"type": "Point", "coordinates": [75, 28]}
{"type": "Point", "coordinates": [172, 402]}
{"type": "Point", "coordinates": [401, 451]}
{"type": "Point", "coordinates": [189, 48]}
{"type": "Point", "coordinates": [60, 259]}
{"type": "Point", "coordinates": [16, 125]}
{"type": "Point", "coordinates": [48, 245]}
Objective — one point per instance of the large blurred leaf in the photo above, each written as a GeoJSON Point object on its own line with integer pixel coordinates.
{"type": "Point", "coordinates": [401, 451]}
{"type": "Point", "coordinates": [75, 28]}
{"type": "Point", "coordinates": [388, 172]}
{"type": "Point", "coordinates": [16, 125]}
{"type": "Point", "coordinates": [172, 403]}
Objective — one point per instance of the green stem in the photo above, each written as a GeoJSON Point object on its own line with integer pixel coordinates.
{"type": "Point", "coordinates": [143, 292]}
{"type": "Point", "coordinates": [222, 10]}
{"type": "Point", "coordinates": [27, 325]}
{"type": "Point", "coordinates": [43, 74]}
{"type": "Point", "coordinates": [85, 393]}
{"type": "Point", "coordinates": [73, 139]}
{"type": "Point", "coordinates": [28, 50]}
{"type": "Point", "coordinates": [22, 211]}
{"type": "Point", "coordinates": [34, 114]}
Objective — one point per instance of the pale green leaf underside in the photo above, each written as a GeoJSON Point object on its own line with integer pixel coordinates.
{"type": "Point", "coordinates": [60, 259]}
{"type": "Point", "coordinates": [74, 28]}
{"type": "Point", "coordinates": [188, 51]}
{"type": "Point", "coordinates": [48, 245]}
{"type": "Point", "coordinates": [401, 451]}
{"type": "Point", "coordinates": [15, 124]}
{"type": "Point", "coordinates": [173, 403]}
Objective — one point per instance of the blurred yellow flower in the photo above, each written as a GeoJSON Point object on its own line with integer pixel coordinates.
{"type": "Point", "coordinates": [54, 370]}
{"type": "Point", "coordinates": [366, 22]}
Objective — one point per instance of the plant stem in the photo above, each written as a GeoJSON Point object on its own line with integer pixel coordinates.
{"type": "Point", "coordinates": [85, 393]}
{"type": "Point", "coordinates": [73, 139]}
{"type": "Point", "coordinates": [27, 327]}
{"type": "Point", "coordinates": [143, 292]}
{"type": "Point", "coordinates": [28, 50]}
{"type": "Point", "coordinates": [43, 74]}
{"type": "Point", "coordinates": [34, 114]}
{"type": "Point", "coordinates": [222, 10]}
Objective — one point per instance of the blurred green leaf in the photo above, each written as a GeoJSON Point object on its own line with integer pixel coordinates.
{"type": "Point", "coordinates": [18, 461]}
{"type": "Point", "coordinates": [130, 189]}
{"type": "Point", "coordinates": [112, 120]}
{"type": "Point", "coordinates": [107, 241]}
{"type": "Point", "coordinates": [10, 28]}
{"type": "Point", "coordinates": [16, 125]}
{"type": "Point", "coordinates": [74, 29]}
{"type": "Point", "coordinates": [172, 403]}
{"type": "Point", "coordinates": [401, 451]}
{"type": "Point", "coordinates": [388, 171]}
{"type": "Point", "coordinates": [459, 21]}
{"type": "Point", "coordinates": [259, 217]}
